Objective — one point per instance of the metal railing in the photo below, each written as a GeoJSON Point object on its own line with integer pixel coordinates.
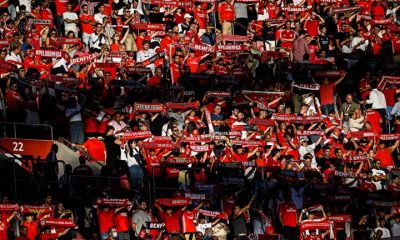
{"type": "Point", "coordinates": [24, 177]}
{"type": "Point", "coordinates": [24, 130]}
{"type": "Point", "coordinates": [81, 152]}
{"type": "Point", "coordinates": [82, 186]}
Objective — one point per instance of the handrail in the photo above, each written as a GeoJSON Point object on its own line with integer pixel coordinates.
{"type": "Point", "coordinates": [77, 149]}
{"type": "Point", "coordinates": [13, 155]}
{"type": "Point", "coordinates": [25, 124]}
{"type": "Point", "coordinates": [23, 161]}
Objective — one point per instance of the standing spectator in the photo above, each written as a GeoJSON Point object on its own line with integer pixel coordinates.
{"type": "Point", "coordinates": [145, 54]}
{"type": "Point", "coordinates": [99, 17]}
{"type": "Point", "coordinates": [132, 156]}
{"type": "Point", "coordinates": [242, 19]}
{"type": "Point", "coordinates": [382, 227]}
{"type": "Point", "coordinates": [347, 107]}
{"type": "Point", "coordinates": [15, 111]}
{"type": "Point", "coordinates": [121, 222]}
{"type": "Point", "coordinates": [71, 20]}
{"type": "Point", "coordinates": [226, 16]}
{"type": "Point", "coordinates": [140, 217]}
{"type": "Point", "coordinates": [288, 218]}
{"type": "Point", "coordinates": [105, 217]}
{"type": "Point", "coordinates": [378, 101]}
{"type": "Point", "coordinates": [97, 38]}
{"type": "Point", "coordinates": [87, 23]}
{"type": "Point", "coordinates": [395, 227]}
{"type": "Point", "coordinates": [327, 92]}
{"type": "Point", "coordinates": [15, 56]}
{"type": "Point", "coordinates": [306, 148]}
{"type": "Point", "coordinates": [112, 144]}
{"type": "Point", "coordinates": [301, 51]}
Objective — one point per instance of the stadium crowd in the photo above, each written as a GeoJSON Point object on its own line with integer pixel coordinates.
{"type": "Point", "coordinates": [250, 119]}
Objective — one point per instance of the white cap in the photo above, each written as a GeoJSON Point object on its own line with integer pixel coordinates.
{"type": "Point", "coordinates": [187, 15]}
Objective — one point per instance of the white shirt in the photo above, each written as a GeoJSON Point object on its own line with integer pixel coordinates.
{"type": "Point", "coordinates": [378, 172]}
{"type": "Point", "coordinates": [125, 156]}
{"type": "Point", "coordinates": [312, 103]}
{"type": "Point", "coordinates": [385, 232]}
{"type": "Point", "coordinates": [70, 16]}
{"type": "Point", "coordinates": [309, 149]}
{"type": "Point", "coordinates": [395, 228]}
{"type": "Point", "coordinates": [357, 40]}
{"type": "Point", "coordinates": [396, 109]}
{"type": "Point", "coordinates": [27, 4]}
{"type": "Point", "coordinates": [377, 99]}
{"type": "Point", "coordinates": [13, 57]}
{"type": "Point", "coordinates": [202, 227]}
{"type": "Point", "coordinates": [144, 55]}
{"type": "Point", "coordinates": [95, 41]}
{"type": "Point", "coordinates": [98, 17]}
{"type": "Point", "coordinates": [355, 125]}
{"type": "Point", "coordinates": [346, 49]}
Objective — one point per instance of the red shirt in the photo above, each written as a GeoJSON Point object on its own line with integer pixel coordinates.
{"type": "Point", "coordinates": [273, 163]}
{"type": "Point", "coordinates": [32, 229]}
{"type": "Point", "coordinates": [28, 62]}
{"type": "Point", "coordinates": [226, 12]}
{"type": "Point", "coordinates": [288, 214]}
{"type": "Point", "coordinates": [272, 9]}
{"type": "Point", "coordinates": [60, 6]}
{"type": "Point", "coordinates": [166, 42]}
{"type": "Point", "coordinates": [187, 222]}
{"type": "Point", "coordinates": [364, 83]}
{"type": "Point", "coordinates": [153, 161]}
{"type": "Point", "coordinates": [228, 202]}
{"type": "Point", "coordinates": [90, 125]}
{"type": "Point", "coordinates": [389, 96]}
{"type": "Point", "coordinates": [121, 222]}
{"type": "Point", "coordinates": [86, 27]}
{"type": "Point", "coordinates": [95, 148]}
{"type": "Point", "coordinates": [172, 222]}
{"type": "Point", "coordinates": [201, 17]}
{"type": "Point", "coordinates": [154, 81]}
{"type": "Point", "coordinates": [240, 158]}
{"type": "Point", "coordinates": [312, 27]}
{"type": "Point", "coordinates": [14, 100]}
{"type": "Point", "coordinates": [193, 63]}
{"type": "Point", "coordinates": [374, 118]}
{"type": "Point", "coordinates": [175, 72]}
{"type": "Point", "coordinates": [48, 15]}
{"type": "Point", "coordinates": [288, 34]}
{"type": "Point", "coordinates": [105, 220]}
{"type": "Point", "coordinates": [52, 236]}
{"type": "Point", "coordinates": [3, 229]}
{"type": "Point", "coordinates": [326, 92]}
{"type": "Point", "coordinates": [367, 186]}
{"type": "Point", "coordinates": [385, 156]}
{"type": "Point", "coordinates": [178, 18]}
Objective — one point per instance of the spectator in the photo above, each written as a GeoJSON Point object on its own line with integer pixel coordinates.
{"type": "Point", "coordinates": [139, 218]}
{"type": "Point", "coordinates": [301, 51]}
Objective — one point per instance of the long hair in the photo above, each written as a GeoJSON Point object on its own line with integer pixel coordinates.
{"type": "Point", "coordinates": [128, 147]}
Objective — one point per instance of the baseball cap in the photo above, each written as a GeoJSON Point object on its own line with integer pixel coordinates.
{"type": "Point", "coordinates": [187, 15]}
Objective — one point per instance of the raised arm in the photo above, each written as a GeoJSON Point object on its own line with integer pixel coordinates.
{"type": "Point", "coordinates": [393, 147]}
